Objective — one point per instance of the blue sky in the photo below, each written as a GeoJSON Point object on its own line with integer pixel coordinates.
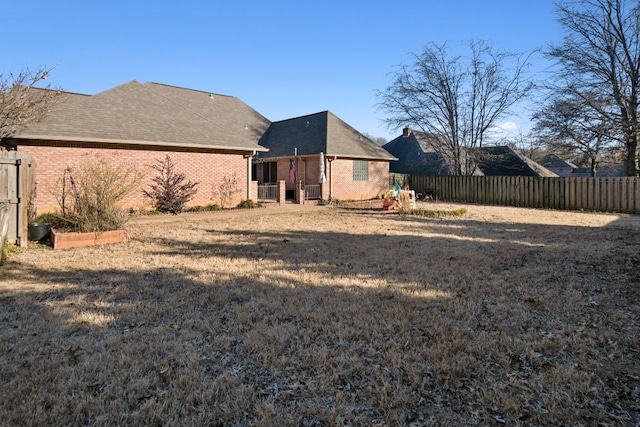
{"type": "Point", "coordinates": [283, 58]}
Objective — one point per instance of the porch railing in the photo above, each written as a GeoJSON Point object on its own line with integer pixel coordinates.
{"type": "Point", "coordinates": [312, 192]}
{"type": "Point", "coordinates": [268, 192]}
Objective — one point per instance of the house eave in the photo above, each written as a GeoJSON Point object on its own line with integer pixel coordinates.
{"type": "Point", "coordinates": [330, 157]}
{"type": "Point", "coordinates": [133, 142]}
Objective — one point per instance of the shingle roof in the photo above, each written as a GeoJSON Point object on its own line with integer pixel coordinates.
{"type": "Point", "coordinates": [553, 161]}
{"type": "Point", "coordinates": [505, 161]}
{"type": "Point", "coordinates": [415, 155]}
{"type": "Point", "coordinates": [156, 114]}
{"type": "Point", "coordinates": [320, 132]}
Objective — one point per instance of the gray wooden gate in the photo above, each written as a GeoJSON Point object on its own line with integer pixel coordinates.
{"type": "Point", "coordinates": [17, 196]}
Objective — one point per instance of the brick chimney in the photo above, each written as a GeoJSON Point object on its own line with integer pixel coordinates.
{"type": "Point", "coordinates": [406, 132]}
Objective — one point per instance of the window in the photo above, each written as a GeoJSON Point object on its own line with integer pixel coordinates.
{"type": "Point", "coordinates": [264, 172]}
{"type": "Point", "coordinates": [269, 172]}
{"type": "Point", "coordinates": [360, 170]}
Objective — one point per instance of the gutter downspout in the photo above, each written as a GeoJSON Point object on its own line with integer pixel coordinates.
{"type": "Point", "coordinates": [249, 158]}
{"type": "Point", "coordinates": [330, 160]}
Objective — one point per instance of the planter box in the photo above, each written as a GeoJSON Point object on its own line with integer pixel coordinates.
{"type": "Point", "coordinates": [61, 240]}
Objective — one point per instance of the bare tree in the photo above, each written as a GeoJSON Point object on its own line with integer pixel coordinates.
{"type": "Point", "coordinates": [570, 127]}
{"type": "Point", "coordinates": [21, 103]}
{"type": "Point", "coordinates": [378, 140]}
{"type": "Point", "coordinates": [601, 54]}
{"type": "Point", "coordinates": [529, 145]}
{"type": "Point", "coordinates": [455, 98]}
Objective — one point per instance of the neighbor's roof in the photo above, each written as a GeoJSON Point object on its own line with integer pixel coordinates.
{"type": "Point", "coordinates": [416, 155]}
{"type": "Point", "coordinates": [552, 161]}
{"type": "Point", "coordinates": [505, 161]}
{"type": "Point", "coordinates": [321, 132]}
{"type": "Point", "coordinates": [152, 114]}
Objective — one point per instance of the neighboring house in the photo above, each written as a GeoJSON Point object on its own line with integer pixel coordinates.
{"type": "Point", "coordinates": [355, 167]}
{"type": "Point", "coordinates": [558, 166]}
{"type": "Point", "coordinates": [505, 161]}
{"type": "Point", "coordinates": [211, 138]}
{"type": "Point", "coordinates": [416, 156]}
{"type": "Point", "coordinates": [611, 170]}
{"type": "Point", "coordinates": [568, 169]}
{"type": "Point", "coordinates": [607, 170]}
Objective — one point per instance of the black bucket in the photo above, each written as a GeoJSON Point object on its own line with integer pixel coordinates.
{"type": "Point", "coordinates": [39, 232]}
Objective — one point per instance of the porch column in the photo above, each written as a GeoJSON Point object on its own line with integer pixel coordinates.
{"type": "Point", "coordinates": [282, 192]}
{"type": "Point", "coordinates": [299, 193]}
{"type": "Point", "coordinates": [249, 157]}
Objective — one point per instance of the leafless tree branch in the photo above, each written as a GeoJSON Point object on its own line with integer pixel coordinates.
{"type": "Point", "coordinates": [21, 103]}
{"type": "Point", "coordinates": [600, 54]}
{"type": "Point", "coordinates": [455, 98]}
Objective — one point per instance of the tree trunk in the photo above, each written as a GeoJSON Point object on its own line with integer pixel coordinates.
{"type": "Point", "coordinates": [631, 160]}
{"type": "Point", "coordinates": [632, 132]}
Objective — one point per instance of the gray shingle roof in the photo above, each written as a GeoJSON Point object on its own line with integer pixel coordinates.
{"type": "Point", "coordinates": [553, 161]}
{"type": "Point", "coordinates": [505, 161]}
{"type": "Point", "coordinates": [155, 114]}
{"type": "Point", "coordinates": [321, 132]}
{"type": "Point", "coordinates": [415, 155]}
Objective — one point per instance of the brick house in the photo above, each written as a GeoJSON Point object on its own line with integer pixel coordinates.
{"type": "Point", "coordinates": [355, 167]}
{"type": "Point", "coordinates": [211, 138]}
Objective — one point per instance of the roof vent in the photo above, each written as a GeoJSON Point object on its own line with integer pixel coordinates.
{"type": "Point", "coordinates": [211, 96]}
{"type": "Point", "coordinates": [307, 123]}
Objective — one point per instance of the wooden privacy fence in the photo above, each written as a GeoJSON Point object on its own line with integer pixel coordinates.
{"type": "Point", "coordinates": [620, 194]}
{"type": "Point", "coordinates": [17, 191]}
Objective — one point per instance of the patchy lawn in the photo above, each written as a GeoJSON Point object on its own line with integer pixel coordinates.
{"type": "Point", "coordinates": [330, 316]}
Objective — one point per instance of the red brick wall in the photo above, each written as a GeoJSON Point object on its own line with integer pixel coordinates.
{"type": "Point", "coordinates": [311, 170]}
{"type": "Point", "coordinates": [307, 170]}
{"type": "Point", "coordinates": [283, 172]}
{"type": "Point", "coordinates": [343, 187]}
{"type": "Point", "coordinates": [209, 169]}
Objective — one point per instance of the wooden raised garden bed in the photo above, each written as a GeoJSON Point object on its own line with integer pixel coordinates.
{"type": "Point", "coordinates": [62, 240]}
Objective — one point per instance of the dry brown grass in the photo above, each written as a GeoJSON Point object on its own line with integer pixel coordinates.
{"type": "Point", "coordinates": [330, 317]}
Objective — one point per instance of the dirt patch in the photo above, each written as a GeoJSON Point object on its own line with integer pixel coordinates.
{"type": "Point", "coordinates": [330, 315]}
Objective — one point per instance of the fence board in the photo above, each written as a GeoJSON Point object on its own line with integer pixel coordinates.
{"type": "Point", "coordinates": [636, 197]}
{"type": "Point", "coordinates": [604, 194]}
{"type": "Point", "coordinates": [17, 187]}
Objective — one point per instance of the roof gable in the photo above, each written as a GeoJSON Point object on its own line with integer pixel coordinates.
{"type": "Point", "coordinates": [320, 132]}
{"type": "Point", "coordinates": [302, 136]}
{"type": "Point", "coordinates": [344, 141]}
{"type": "Point", "coordinates": [416, 156]}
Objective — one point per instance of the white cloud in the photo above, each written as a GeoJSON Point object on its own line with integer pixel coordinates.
{"type": "Point", "coordinates": [504, 130]}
